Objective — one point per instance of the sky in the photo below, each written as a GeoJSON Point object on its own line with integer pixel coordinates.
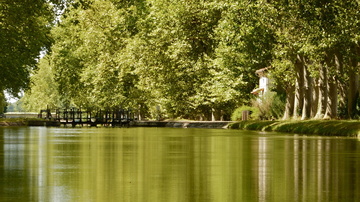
{"type": "Point", "coordinates": [10, 98]}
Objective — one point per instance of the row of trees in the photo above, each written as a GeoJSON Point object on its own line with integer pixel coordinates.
{"type": "Point", "coordinates": [319, 44]}
{"type": "Point", "coordinates": [196, 59]}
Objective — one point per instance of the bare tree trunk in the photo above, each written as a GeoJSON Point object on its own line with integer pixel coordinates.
{"type": "Point", "coordinates": [322, 93]}
{"type": "Point", "coordinates": [342, 86]}
{"type": "Point", "coordinates": [353, 94]}
{"type": "Point", "coordinates": [221, 115]}
{"type": "Point", "coordinates": [332, 104]}
{"type": "Point", "coordinates": [358, 87]}
{"type": "Point", "coordinates": [306, 110]}
{"type": "Point", "coordinates": [353, 91]}
{"type": "Point", "coordinates": [213, 114]}
{"type": "Point", "coordinates": [331, 107]}
{"type": "Point", "coordinates": [315, 97]}
{"type": "Point", "coordinates": [139, 113]}
{"type": "Point", "coordinates": [299, 88]}
{"type": "Point", "coordinates": [289, 106]}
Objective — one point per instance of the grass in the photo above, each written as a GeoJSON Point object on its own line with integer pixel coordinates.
{"type": "Point", "coordinates": [315, 127]}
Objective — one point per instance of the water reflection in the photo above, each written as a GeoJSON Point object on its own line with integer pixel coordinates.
{"type": "Point", "coordinates": [142, 164]}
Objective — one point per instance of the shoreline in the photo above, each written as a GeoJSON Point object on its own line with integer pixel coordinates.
{"type": "Point", "coordinates": [160, 124]}
{"type": "Point", "coordinates": [16, 122]}
{"type": "Point", "coordinates": [183, 124]}
{"type": "Point", "coordinates": [344, 128]}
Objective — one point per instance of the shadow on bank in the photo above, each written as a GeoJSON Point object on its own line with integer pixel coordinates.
{"type": "Point", "coordinates": [313, 127]}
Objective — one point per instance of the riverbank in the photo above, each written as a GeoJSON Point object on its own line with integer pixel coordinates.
{"type": "Point", "coordinates": [170, 124]}
{"type": "Point", "coordinates": [313, 127]}
{"type": "Point", "coordinates": [27, 122]}
{"type": "Point", "coordinates": [182, 124]}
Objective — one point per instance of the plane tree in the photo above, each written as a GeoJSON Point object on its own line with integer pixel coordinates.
{"type": "Point", "coordinates": [89, 54]}
{"type": "Point", "coordinates": [24, 33]}
{"type": "Point", "coordinates": [246, 42]}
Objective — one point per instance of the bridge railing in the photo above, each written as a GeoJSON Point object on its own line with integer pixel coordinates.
{"type": "Point", "coordinates": [77, 116]}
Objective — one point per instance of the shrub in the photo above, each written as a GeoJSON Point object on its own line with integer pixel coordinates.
{"type": "Point", "coordinates": [237, 114]}
{"type": "Point", "coordinates": [270, 106]}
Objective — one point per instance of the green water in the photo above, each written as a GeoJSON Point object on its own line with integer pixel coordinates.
{"type": "Point", "coordinates": [167, 164]}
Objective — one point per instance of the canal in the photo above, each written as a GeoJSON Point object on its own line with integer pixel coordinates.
{"type": "Point", "coordinates": [170, 164]}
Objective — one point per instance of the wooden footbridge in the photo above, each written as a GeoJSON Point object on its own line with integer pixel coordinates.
{"type": "Point", "coordinates": [75, 116]}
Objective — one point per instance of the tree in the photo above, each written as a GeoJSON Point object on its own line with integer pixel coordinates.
{"type": "Point", "coordinates": [246, 42]}
{"type": "Point", "coordinates": [24, 32]}
{"type": "Point", "coordinates": [3, 103]}
{"type": "Point", "coordinates": [89, 55]}
{"type": "Point", "coordinates": [43, 92]}
{"type": "Point", "coordinates": [176, 59]}
{"type": "Point", "coordinates": [316, 37]}
{"type": "Point", "coordinates": [197, 59]}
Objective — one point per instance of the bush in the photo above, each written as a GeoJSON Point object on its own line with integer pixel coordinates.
{"type": "Point", "coordinates": [270, 106]}
{"type": "Point", "coordinates": [237, 114]}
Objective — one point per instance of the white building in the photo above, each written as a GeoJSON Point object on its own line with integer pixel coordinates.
{"type": "Point", "coordinates": [263, 82]}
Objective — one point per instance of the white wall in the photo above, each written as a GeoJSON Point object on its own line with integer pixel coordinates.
{"type": "Point", "coordinates": [264, 83]}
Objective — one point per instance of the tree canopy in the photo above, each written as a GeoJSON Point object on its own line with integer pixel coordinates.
{"type": "Point", "coordinates": [194, 59]}
{"type": "Point", "coordinates": [24, 32]}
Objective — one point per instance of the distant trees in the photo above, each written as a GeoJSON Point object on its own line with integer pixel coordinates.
{"type": "Point", "coordinates": [43, 91]}
{"type": "Point", "coordinates": [196, 59]}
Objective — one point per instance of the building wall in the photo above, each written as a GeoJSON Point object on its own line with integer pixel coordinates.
{"type": "Point", "coordinates": [264, 83]}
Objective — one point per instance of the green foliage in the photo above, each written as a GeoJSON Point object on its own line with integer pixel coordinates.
{"type": "Point", "coordinates": [191, 58]}
{"type": "Point", "coordinates": [92, 65]}
{"type": "Point", "coordinates": [237, 114]}
{"type": "Point", "coordinates": [24, 32]}
{"type": "Point", "coordinates": [43, 91]}
{"type": "Point", "coordinates": [15, 107]}
{"type": "Point", "coordinates": [177, 59]}
{"type": "Point", "coordinates": [246, 43]}
{"type": "Point", "coordinates": [270, 106]}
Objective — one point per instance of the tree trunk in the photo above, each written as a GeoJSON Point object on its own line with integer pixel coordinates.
{"type": "Point", "coordinates": [322, 93]}
{"type": "Point", "coordinates": [353, 91]}
{"type": "Point", "coordinates": [289, 106]}
{"type": "Point", "coordinates": [213, 114]}
{"type": "Point", "coordinates": [332, 104]}
{"type": "Point", "coordinates": [331, 107]}
{"type": "Point", "coordinates": [139, 113]}
{"type": "Point", "coordinates": [306, 110]}
{"type": "Point", "coordinates": [315, 97]}
{"type": "Point", "coordinates": [342, 86]}
{"type": "Point", "coordinates": [353, 94]}
{"type": "Point", "coordinates": [299, 88]}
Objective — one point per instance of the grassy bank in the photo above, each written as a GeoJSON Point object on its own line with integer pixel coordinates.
{"type": "Point", "coordinates": [315, 127]}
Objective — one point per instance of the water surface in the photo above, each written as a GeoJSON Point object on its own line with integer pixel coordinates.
{"type": "Point", "coordinates": [169, 164]}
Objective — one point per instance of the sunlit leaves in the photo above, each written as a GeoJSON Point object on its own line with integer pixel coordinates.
{"type": "Point", "coordinates": [24, 32]}
{"type": "Point", "coordinates": [91, 42]}
{"type": "Point", "coordinates": [191, 57]}
{"type": "Point", "coordinates": [43, 91]}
